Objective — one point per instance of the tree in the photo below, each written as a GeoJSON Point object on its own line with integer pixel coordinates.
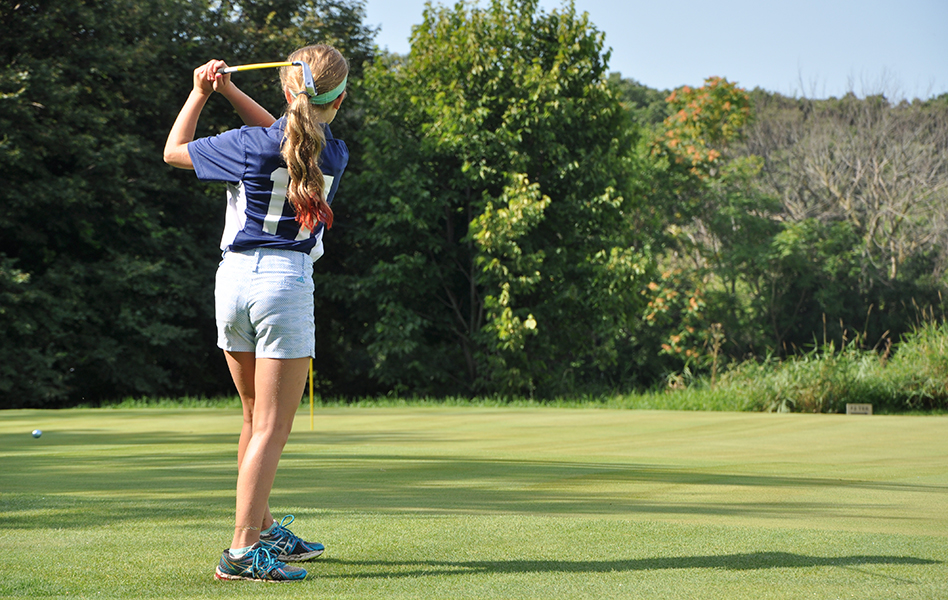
{"type": "Point", "coordinates": [107, 256]}
{"type": "Point", "coordinates": [489, 243]}
{"type": "Point", "coordinates": [646, 106]}
{"type": "Point", "coordinates": [814, 220]}
{"type": "Point", "coordinates": [713, 226]}
{"type": "Point", "coordinates": [866, 181]}
{"type": "Point", "coordinates": [883, 168]}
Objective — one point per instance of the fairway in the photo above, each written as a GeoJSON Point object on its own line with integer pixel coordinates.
{"type": "Point", "coordinates": [485, 503]}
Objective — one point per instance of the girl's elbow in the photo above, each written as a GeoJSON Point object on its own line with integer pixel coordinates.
{"type": "Point", "coordinates": [178, 157]}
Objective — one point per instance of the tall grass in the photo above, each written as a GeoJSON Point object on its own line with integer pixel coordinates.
{"type": "Point", "coordinates": [182, 402]}
{"type": "Point", "coordinates": [827, 378]}
{"type": "Point", "coordinates": [919, 369]}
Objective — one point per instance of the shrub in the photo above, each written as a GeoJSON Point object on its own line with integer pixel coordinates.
{"type": "Point", "coordinates": [919, 369]}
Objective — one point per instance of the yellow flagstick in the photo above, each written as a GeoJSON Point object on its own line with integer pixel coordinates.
{"type": "Point", "coordinates": [311, 393]}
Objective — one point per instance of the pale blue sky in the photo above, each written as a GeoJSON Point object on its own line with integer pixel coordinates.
{"type": "Point", "coordinates": [814, 48]}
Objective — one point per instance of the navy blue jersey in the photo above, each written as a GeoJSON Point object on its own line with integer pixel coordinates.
{"type": "Point", "coordinates": [259, 215]}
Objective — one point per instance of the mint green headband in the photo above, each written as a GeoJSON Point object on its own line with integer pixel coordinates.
{"type": "Point", "coordinates": [331, 94]}
{"type": "Point", "coordinates": [310, 91]}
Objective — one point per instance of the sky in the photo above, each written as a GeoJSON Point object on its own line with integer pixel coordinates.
{"type": "Point", "coordinates": [811, 48]}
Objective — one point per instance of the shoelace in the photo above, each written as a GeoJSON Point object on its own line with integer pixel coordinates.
{"type": "Point", "coordinates": [284, 520]}
{"type": "Point", "coordinates": [263, 563]}
{"type": "Point", "coordinates": [284, 533]}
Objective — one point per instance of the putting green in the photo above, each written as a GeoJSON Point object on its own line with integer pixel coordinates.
{"type": "Point", "coordinates": [478, 502]}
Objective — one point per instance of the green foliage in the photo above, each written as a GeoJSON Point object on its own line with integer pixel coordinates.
{"type": "Point", "coordinates": [490, 223]}
{"type": "Point", "coordinates": [107, 255]}
{"type": "Point", "coordinates": [818, 381]}
{"type": "Point", "coordinates": [772, 224]}
{"type": "Point", "coordinates": [712, 225]}
{"type": "Point", "coordinates": [825, 379]}
{"type": "Point", "coordinates": [862, 187]}
{"type": "Point", "coordinates": [645, 105]}
{"type": "Point", "coordinates": [919, 369]}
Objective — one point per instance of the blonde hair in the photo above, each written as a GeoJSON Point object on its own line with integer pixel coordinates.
{"type": "Point", "coordinates": [304, 137]}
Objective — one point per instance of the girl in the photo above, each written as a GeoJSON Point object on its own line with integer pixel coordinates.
{"type": "Point", "coordinates": [281, 177]}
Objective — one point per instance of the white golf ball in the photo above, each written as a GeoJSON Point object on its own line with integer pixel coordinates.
{"type": "Point", "coordinates": [37, 433]}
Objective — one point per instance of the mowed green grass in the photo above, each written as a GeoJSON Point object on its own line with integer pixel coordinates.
{"type": "Point", "coordinates": [485, 503]}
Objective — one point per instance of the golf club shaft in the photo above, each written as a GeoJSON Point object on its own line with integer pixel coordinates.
{"type": "Point", "coordinates": [269, 65]}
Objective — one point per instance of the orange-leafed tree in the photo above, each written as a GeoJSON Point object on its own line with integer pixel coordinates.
{"type": "Point", "coordinates": [703, 122]}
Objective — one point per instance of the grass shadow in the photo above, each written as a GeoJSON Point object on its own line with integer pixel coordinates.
{"type": "Point", "coordinates": [176, 477]}
{"type": "Point", "coordinates": [730, 562]}
{"type": "Point", "coordinates": [72, 477]}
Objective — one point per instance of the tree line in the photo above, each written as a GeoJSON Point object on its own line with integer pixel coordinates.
{"type": "Point", "coordinates": [515, 221]}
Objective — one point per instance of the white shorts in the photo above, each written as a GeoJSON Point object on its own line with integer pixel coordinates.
{"type": "Point", "coordinates": [263, 303]}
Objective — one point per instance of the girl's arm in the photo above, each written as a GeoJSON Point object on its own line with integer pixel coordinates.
{"type": "Point", "coordinates": [182, 132]}
{"type": "Point", "coordinates": [247, 108]}
{"type": "Point", "coordinates": [206, 81]}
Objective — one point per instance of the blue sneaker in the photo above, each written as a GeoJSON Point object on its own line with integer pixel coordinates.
{"type": "Point", "coordinates": [288, 547]}
{"type": "Point", "coordinates": [257, 565]}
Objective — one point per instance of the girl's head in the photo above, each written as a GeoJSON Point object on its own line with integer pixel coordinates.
{"type": "Point", "coordinates": [329, 70]}
{"type": "Point", "coordinates": [305, 138]}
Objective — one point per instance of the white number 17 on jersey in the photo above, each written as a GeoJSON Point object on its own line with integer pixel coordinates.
{"type": "Point", "coordinates": [281, 179]}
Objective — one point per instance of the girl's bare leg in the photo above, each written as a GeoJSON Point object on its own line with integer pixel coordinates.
{"type": "Point", "coordinates": [270, 391]}
{"type": "Point", "coordinates": [242, 368]}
